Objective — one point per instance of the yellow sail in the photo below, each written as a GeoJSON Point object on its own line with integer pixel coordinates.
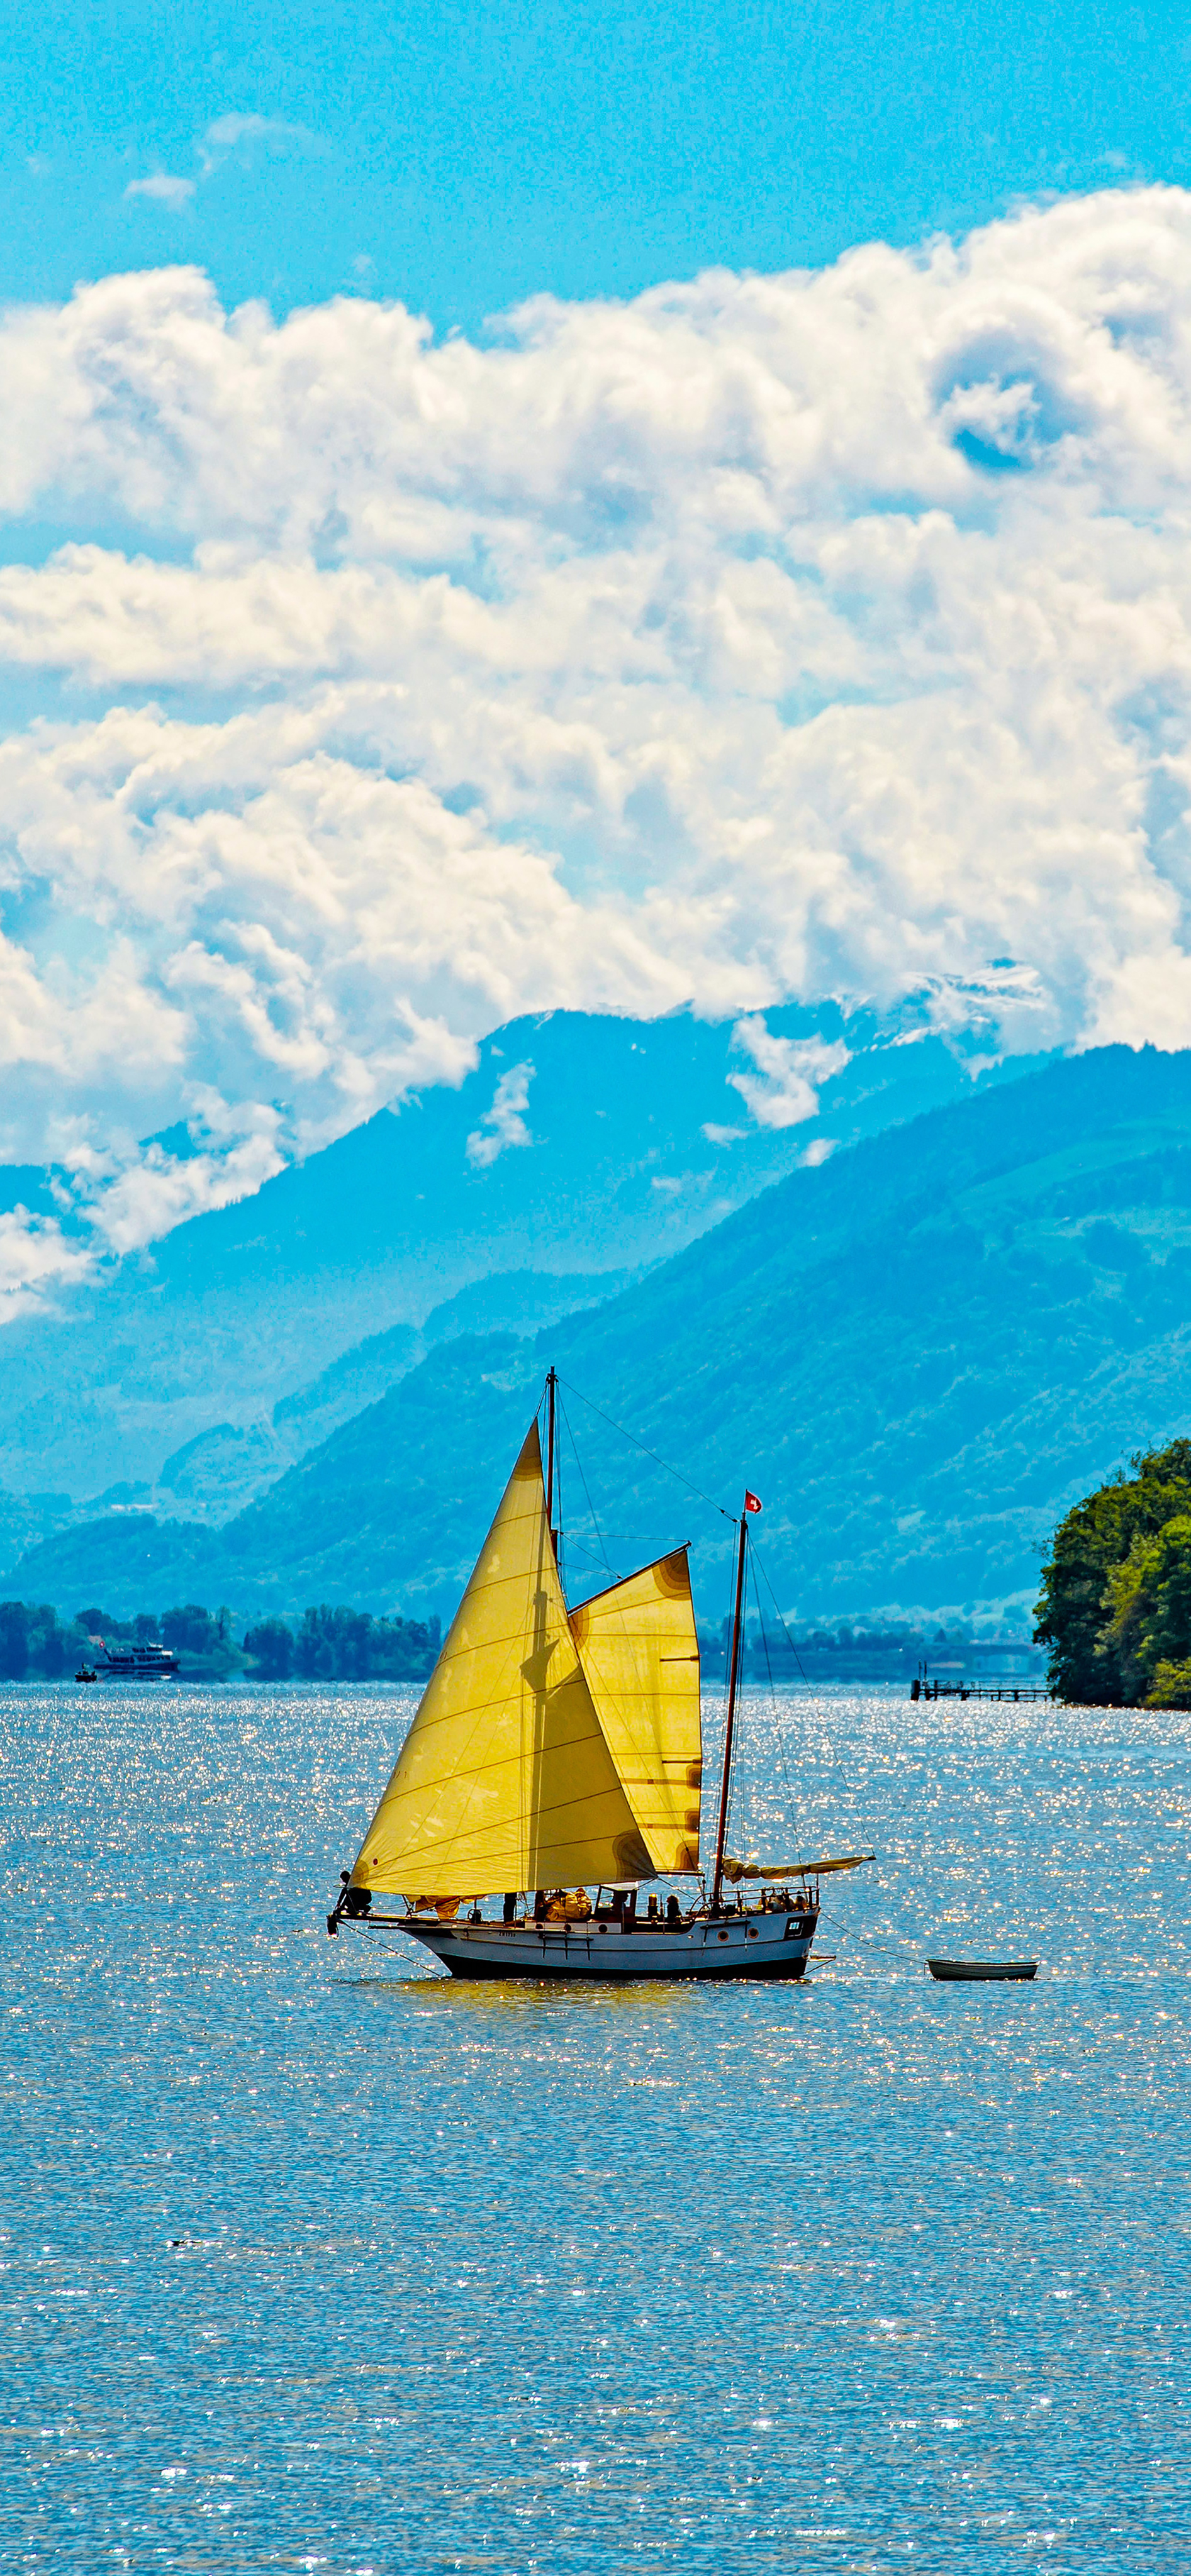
{"type": "Point", "coordinates": [505, 1779]}
{"type": "Point", "coordinates": [639, 1650]}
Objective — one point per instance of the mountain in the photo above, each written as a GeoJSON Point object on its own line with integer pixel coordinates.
{"type": "Point", "coordinates": [217, 1471]}
{"type": "Point", "coordinates": [579, 1145]}
{"type": "Point", "coordinates": [918, 1353]}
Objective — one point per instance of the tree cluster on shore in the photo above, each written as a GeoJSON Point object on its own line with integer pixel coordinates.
{"type": "Point", "coordinates": [1115, 1608]}
{"type": "Point", "coordinates": [343, 1645]}
{"type": "Point", "coordinates": [327, 1644]}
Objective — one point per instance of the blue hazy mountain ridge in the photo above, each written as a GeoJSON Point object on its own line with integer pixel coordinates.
{"type": "Point", "coordinates": [606, 1167]}
{"type": "Point", "coordinates": [919, 1353]}
{"type": "Point", "coordinates": [222, 1468]}
{"type": "Point", "coordinates": [521, 1300]}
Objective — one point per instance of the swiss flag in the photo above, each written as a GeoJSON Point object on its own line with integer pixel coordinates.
{"type": "Point", "coordinates": [752, 1502]}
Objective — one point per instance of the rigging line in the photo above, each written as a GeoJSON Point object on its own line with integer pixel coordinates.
{"type": "Point", "coordinates": [827, 1739]}
{"type": "Point", "coordinates": [601, 1563]}
{"type": "Point", "coordinates": [634, 1443]}
{"type": "Point", "coordinates": [777, 1613]}
{"type": "Point", "coordinates": [781, 1622]}
{"type": "Point", "coordinates": [872, 1941]}
{"type": "Point", "coordinates": [781, 1733]}
{"type": "Point", "coordinates": [583, 1481]}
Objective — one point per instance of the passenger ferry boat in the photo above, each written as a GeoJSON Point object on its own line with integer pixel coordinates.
{"type": "Point", "coordinates": [126, 1662]}
{"type": "Point", "coordinates": [554, 1770]}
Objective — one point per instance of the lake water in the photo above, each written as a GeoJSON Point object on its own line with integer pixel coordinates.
{"type": "Point", "coordinates": [315, 2260]}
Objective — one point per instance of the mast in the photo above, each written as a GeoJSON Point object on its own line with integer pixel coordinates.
{"type": "Point", "coordinates": [551, 1386]}
{"type": "Point", "coordinates": [730, 1727]}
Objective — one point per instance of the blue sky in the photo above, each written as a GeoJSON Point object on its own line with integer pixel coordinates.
{"type": "Point", "coordinates": [464, 156]}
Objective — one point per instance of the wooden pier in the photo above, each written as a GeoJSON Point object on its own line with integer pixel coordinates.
{"type": "Point", "coordinates": [924, 1688]}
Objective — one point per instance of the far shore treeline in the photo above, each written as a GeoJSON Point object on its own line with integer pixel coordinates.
{"type": "Point", "coordinates": [342, 1644]}
{"type": "Point", "coordinates": [1115, 1608]}
{"type": "Point", "coordinates": [325, 1645]}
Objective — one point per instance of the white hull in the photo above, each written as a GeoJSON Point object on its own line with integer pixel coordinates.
{"type": "Point", "coordinates": [738, 1945]}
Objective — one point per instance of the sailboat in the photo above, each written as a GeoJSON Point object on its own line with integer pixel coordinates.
{"type": "Point", "coordinates": [554, 1769]}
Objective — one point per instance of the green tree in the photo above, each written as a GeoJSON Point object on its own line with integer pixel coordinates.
{"type": "Point", "coordinates": [1148, 1599]}
{"type": "Point", "coordinates": [54, 1652]}
{"type": "Point", "coordinates": [403, 1650]}
{"type": "Point", "coordinates": [31, 1640]}
{"type": "Point", "coordinates": [320, 1636]}
{"type": "Point", "coordinates": [14, 1641]}
{"type": "Point", "coordinates": [1171, 1687]}
{"type": "Point", "coordinates": [335, 1644]}
{"type": "Point", "coordinates": [338, 1644]}
{"type": "Point", "coordinates": [102, 1623]}
{"type": "Point", "coordinates": [271, 1647]}
{"type": "Point", "coordinates": [188, 1629]}
{"type": "Point", "coordinates": [1089, 1660]}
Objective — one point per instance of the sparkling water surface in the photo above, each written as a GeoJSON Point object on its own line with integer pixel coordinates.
{"type": "Point", "coordinates": [314, 2259]}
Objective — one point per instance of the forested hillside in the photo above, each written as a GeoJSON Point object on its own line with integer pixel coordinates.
{"type": "Point", "coordinates": [919, 1354]}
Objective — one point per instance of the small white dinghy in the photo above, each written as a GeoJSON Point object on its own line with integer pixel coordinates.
{"type": "Point", "coordinates": [980, 1972]}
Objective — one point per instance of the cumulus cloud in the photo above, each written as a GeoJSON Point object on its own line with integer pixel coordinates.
{"type": "Point", "coordinates": [130, 1194]}
{"type": "Point", "coordinates": [782, 1093]}
{"type": "Point", "coordinates": [117, 1195]}
{"type": "Point", "coordinates": [765, 638]}
{"type": "Point", "coordinates": [504, 1123]}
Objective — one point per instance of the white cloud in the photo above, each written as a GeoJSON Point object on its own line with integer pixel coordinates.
{"type": "Point", "coordinates": [245, 138]}
{"type": "Point", "coordinates": [131, 1195]}
{"type": "Point", "coordinates": [504, 1123]}
{"type": "Point", "coordinates": [682, 651]}
{"type": "Point", "coordinates": [782, 1091]}
{"type": "Point", "coordinates": [162, 188]}
{"type": "Point", "coordinates": [34, 1256]}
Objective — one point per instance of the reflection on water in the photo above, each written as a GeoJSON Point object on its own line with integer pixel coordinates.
{"type": "Point", "coordinates": [317, 2260]}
